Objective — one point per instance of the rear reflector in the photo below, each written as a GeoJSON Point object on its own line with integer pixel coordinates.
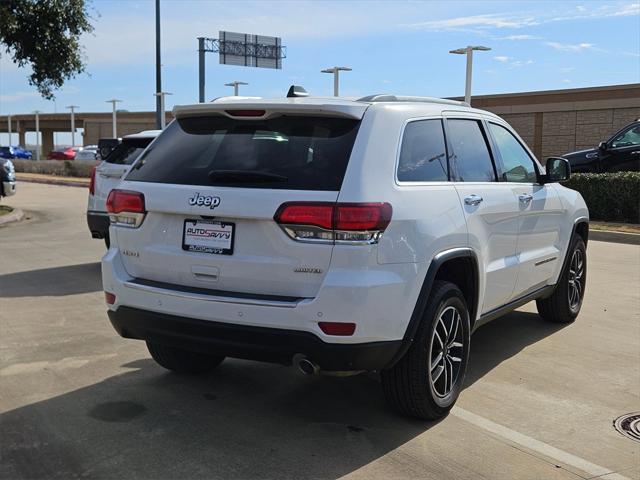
{"type": "Point", "coordinates": [92, 182]}
{"type": "Point", "coordinates": [245, 113]}
{"type": "Point", "coordinates": [110, 298]}
{"type": "Point", "coordinates": [339, 222]}
{"type": "Point", "coordinates": [125, 201]}
{"type": "Point", "coordinates": [338, 328]}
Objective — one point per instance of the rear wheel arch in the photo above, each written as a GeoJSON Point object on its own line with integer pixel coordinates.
{"type": "Point", "coordinates": [451, 266]}
{"type": "Point", "coordinates": [581, 228]}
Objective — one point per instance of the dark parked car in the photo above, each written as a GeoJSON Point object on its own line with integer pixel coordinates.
{"type": "Point", "coordinates": [621, 153]}
{"type": "Point", "coordinates": [15, 152]}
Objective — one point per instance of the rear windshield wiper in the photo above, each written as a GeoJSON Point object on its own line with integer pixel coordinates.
{"type": "Point", "coordinates": [245, 176]}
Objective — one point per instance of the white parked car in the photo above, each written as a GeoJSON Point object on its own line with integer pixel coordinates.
{"type": "Point", "coordinates": [340, 236]}
{"type": "Point", "coordinates": [108, 174]}
{"type": "Point", "coordinates": [90, 152]}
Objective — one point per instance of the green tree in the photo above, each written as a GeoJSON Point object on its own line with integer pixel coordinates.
{"type": "Point", "coordinates": [45, 34]}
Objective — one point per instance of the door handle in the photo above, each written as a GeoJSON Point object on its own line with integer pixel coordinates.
{"type": "Point", "coordinates": [525, 198]}
{"type": "Point", "coordinates": [635, 152]}
{"type": "Point", "coordinates": [473, 200]}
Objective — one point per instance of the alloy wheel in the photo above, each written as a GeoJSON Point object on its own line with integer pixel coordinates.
{"type": "Point", "coordinates": [576, 280]}
{"type": "Point", "coordinates": [446, 351]}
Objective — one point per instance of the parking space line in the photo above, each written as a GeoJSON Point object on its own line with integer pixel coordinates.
{"type": "Point", "coordinates": [536, 445]}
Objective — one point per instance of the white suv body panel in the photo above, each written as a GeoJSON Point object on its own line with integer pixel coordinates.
{"type": "Point", "coordinates": [376, 286]}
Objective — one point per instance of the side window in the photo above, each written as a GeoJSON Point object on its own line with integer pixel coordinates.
{"type": "Point", "coordinates": [470, 151]}
{"type": "Point", "coordinates": [630, 138]}
{"type": "Point", "coordinates": [423, 156]}
{"type": "Point", "coordinates": [517, 165]}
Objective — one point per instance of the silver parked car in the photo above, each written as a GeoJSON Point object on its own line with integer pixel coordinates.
{"type": "Point", "coordinates": [7, 178]}
{"type": "Point", "coordinates": [90, 152]}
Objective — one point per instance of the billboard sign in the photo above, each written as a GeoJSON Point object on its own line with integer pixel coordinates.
{"type": "Point", "coordinates": [243, 49]}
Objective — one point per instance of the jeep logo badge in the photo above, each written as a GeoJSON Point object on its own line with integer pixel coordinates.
{"type": "Point", "coordinates": [202, 201]}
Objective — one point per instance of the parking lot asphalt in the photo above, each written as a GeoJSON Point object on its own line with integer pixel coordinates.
{"type": "Point", "coordinates": [76, 400]}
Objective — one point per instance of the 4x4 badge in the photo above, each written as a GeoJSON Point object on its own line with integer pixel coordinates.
{"type": "Point", "coordinates": [202, 201]}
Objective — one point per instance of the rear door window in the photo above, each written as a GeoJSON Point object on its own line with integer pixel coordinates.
{"type": "Point", "coordinates": [128, 151]}
{"type": "Point", "coordinates": [470, 151]}
{"type": "Point", "coordinates": [285, 152]}
{"type": "Point", "coordinates": [423, 155]}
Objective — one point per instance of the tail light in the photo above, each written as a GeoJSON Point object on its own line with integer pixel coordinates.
{"type": "Point", "coordinates": [126, 208]}
{"type": "Point", "coordinates": [246, 113]}
{"type": "Point", "coordinates": [351, 223]}
{"type": "Point", "coordinates": [92, 182]}
{"type": "Point", "coordinates": [110, 298]}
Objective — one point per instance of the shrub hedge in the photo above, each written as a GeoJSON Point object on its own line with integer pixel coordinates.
{"type": "Point", "coordinates": [61, 168]}
{"type": "Point", "coordinates": [611, 197]}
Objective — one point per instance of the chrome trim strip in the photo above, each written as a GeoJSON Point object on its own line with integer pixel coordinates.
{"type": "Point", "coordinates": [546, 260]}
{"type": "Point", "coordinates": [211, 298]}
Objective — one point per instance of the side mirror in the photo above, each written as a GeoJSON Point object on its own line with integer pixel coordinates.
{"type": "Point", "coordinates": [602, 146]}
{"type": "Point", "coordinates": [558, 170]}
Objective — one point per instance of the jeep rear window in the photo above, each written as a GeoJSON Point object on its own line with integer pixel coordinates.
{"type": "Point", "coordinates": [128, 151]}
{"type": "Point", "coordinates": [285, 152]}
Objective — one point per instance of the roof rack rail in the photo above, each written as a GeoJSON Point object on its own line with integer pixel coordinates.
{"type": "Point", "coordinates": [401, 98]}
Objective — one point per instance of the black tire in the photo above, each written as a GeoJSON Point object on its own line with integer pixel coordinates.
{"type": "Point", "coordinates": [183, 361]}
{"type": "Point", "coordinates": [407, 386]}
{"type": "Point", "coordinates": [107, 240]}
{"type": "Point", "coordinates": [559, 307]}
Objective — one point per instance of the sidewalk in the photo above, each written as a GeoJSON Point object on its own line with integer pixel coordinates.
{"type": "Point", "coordinates": [52, 179]}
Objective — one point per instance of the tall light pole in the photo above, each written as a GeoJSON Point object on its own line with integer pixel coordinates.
{"type": "Point", "coordinates": [113, 101]}
{"type": "Point", "coordinates": [9, 128]}
{"type": "Point", "coordinates": [160, 98]}
{"type": "Point", "coordinates": [163, 119]}
{"type": "Point", "coordinates": [235, 85]}
{"type": "Point", "coordinates": [336, 77]}
{"type": "Point", "coordinates": [73, 123]}
{"type": "Point", "coordinates": [468, 51]}
{"type": "Point", "coordinates": [37, 113]}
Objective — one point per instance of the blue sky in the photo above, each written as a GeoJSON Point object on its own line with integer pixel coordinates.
{"type": "Point", "coordinates": [397, 47]}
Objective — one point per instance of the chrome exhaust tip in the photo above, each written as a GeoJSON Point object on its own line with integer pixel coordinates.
{"type": "Point", "coordinates": [306, 366]}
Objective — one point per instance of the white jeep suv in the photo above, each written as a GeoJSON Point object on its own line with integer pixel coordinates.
{"type": "Point", "coordinates": [340, 236]}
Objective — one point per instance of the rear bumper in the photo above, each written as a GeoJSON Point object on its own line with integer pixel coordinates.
{"type": "Point", "coordinates": [250, 342]}
{"type": "Point", "coordinates": [98, 223]}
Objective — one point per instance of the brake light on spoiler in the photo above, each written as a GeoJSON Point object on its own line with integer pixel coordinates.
{"type": "Point", "coordinates": [126, 208]}
{"type": "Point", "coordinates": [345, 223]}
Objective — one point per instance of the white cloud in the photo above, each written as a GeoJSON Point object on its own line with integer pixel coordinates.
{"type": "Point", "coordinates": [520, 37]}
{"type": "Point", "coordinates": [482, 23]}
{"type": "Point", "coordinates": [603, 11]}
{"type": "Point", "coordinates": [511, 62]}
{"type": "Point", "coordinates": [521, 63]}
{"type": "Point", "coordinates": [566, 80]}
{"type": "Point", "coordinates": [476, 21]}
{"type": "Point", "coordinates": [566, 47]}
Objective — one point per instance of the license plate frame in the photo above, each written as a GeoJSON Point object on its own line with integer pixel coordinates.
{"type": "Point", "coordinates": [224, 248]}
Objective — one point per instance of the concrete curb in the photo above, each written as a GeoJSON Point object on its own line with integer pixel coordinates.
{"type": "Point", "coordinates": [53, 181]}
{"type": "Point", "coordinates": [16, 215]}
{"type": "Point", "coordinates": [615, 237]}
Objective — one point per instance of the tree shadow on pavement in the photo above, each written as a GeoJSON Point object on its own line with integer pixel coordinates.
{"type": "Point", "coordinates": [244, 420]}
{"type": "Point", "coordinates": [56, 281]}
